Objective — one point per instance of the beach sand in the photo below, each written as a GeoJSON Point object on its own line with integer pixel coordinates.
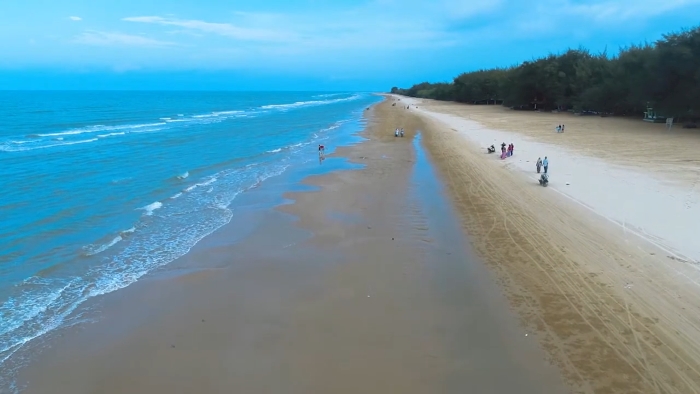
{"type": "Point", "coordinates": [365, 285]}
{"type": "Point", "coordinates": [603, 263]}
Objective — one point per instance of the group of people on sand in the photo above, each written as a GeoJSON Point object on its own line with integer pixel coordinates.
{"type": "Point", "coordinates": [542, 164]}
{"type": "Point", "coordinates": [507, 151]}
{"type": "Point", "coordinates": [398, 132]}
{"type": "Point", "coordinates": [560, 128]}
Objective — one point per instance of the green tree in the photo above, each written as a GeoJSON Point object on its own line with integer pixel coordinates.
{"type": "Point", "coordinates": [665, 74]}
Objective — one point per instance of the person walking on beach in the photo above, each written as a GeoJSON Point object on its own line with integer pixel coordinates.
{"type": "Point", "coordinates": [512, 148]}
{"type": "Point", "coordinates": [562, 128]}
{"type": "Point", "coordinates": [503, 151]}
{"type": "Point", "coordinates": [539, 164]}
{"type": "Point", "coordinates": [545, 164]}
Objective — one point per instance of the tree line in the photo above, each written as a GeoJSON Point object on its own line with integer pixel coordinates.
{"type": "Point", "coordinates": [664, 75]}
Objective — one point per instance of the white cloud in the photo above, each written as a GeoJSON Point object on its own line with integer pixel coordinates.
{"type": "Point", "coordinates": [184, 32]}
{"type": "Point", "coordinates": [309, 32]}
{"type": "Point", "coordinates": [99, 38]}
{"type": "Point", "coordinates": [578, 18]}
{"type": "Point", "coordinates": [390, 24]}
{"type": "Point", "coordinates": [223, 29]}
{"type": "Point", "coordinates": [396, 25]}
{"type": "Point", "coordinates": [468, 9]}
{"type": "Point", "coordinates": [624, 10]}
{"type": "Point", "coordinates": [75, 18]}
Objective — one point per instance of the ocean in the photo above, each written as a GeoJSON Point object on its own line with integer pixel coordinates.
{"type": "Point", "coordinates": [101, 188]}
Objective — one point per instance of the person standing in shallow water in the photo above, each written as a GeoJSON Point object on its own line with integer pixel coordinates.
{"type": "Point", "coordinates": [539, 164]}
{"type": "Point", "coordinates": [545, 164]}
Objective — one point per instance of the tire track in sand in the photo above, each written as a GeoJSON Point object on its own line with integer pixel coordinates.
{"type": "Point", "coordinates": [566, 275]}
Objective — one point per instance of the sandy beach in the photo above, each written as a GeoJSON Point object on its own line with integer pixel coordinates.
{"type": "Point", "coordinates": [364, 282]}
{"type": "Point", "coordinates": [603, 262]}
{"type": "Point", "coordinates": [434, 267]}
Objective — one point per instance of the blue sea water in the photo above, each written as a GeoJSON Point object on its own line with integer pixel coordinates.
{"type": "Point", "coordinates": [100, 188]}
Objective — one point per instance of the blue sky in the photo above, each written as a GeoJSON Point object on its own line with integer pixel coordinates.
{"type": "Point", "coordinates": [304, 44]}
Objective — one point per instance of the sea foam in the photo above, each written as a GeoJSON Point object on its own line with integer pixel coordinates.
{"type": "Point", "coordinates": [152, 207]}
{"type": "Point", "coordinates": [95, 249]}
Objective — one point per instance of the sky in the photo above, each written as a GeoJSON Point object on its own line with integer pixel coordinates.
{"type": "Point", "coordinates": [305, 44]}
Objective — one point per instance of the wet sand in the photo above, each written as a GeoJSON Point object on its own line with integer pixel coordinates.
{"type": "Point", "coordinates": [366, 285]}
{"type": "Point", "coordinates": [594, 271]}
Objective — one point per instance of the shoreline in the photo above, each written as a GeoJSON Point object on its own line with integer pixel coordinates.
{"type": "Point", "coordinates": [616, 313]}
{"type": "Point", "coordinates": [248, 207]}
{"type": "Point", "coordinates": [153, 211]}
{"type": "Point", "coordinates": [347, 310]}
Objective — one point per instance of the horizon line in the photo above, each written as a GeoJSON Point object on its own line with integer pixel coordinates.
{"type": "Point", "coordinates": [192, 90]}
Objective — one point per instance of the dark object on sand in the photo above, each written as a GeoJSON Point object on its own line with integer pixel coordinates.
{"type": "Point", "coordinates": [690, 126]}
{"type": "Point", "coordinates": [393, 105]}
{"type": "Point", "coordinates": [544, 179]}
{"type": "Point", "coordinates": [491, 149]}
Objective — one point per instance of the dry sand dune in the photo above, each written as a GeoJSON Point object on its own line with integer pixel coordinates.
{"type": "Point", "coordinates": [614, 311]}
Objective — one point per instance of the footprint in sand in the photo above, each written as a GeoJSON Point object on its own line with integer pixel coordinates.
{"type": "Point", "coordinates": [691, 198]}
